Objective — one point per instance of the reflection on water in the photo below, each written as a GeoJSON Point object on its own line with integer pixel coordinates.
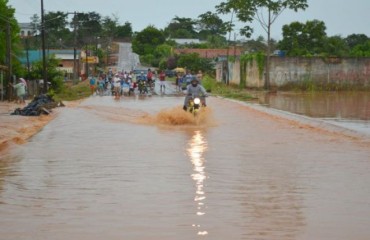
{"type": "Point", "coordinates": [338, 105]}
{"type": "Point", "coordinates": [197, 147]}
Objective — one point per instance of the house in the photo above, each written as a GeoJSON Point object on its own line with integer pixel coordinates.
{"type": "Point", "coordinates": [185, 41]}
{"type": "Point", "coordinates": [26, 30]}
{"type": "Point", "coordinates": [66, 57]}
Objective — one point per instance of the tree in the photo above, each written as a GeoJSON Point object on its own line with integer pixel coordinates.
{"type": "Point", "coordinates": [336, 46]}
{"type": "Point", "coordinates": [8, 49]}
{"type": "Point", "coordinates": [256, 45]}
{"type": "Point", "coordinates": [211, 24]}
{"type": "Point", "coordinates": [356, 39]}
{"type": "Point", "coordinates": [124, 31]}
{"type": "Point", "coordinates": [361, 50]}
{"type": "Point", "coordinates": [181, 28]}
{"type": "Point", "coordinates": [54, 75]}
{"type": "Point", "coordinates": [110, 26]}
{"type": "Point", "coordinates": [89, 26]}
{"type": "Point", "coordinates": [55, 28]}
{"type": "Point", "coordinates": [146, 41]}
{"type": "Point", "coordinates": [193, 62]}
{"type": "Point", "coordinates": [249, 10]}
{"type": "Point", "coordinates": [301, 39]}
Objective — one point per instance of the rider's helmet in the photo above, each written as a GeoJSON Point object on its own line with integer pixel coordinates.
{"type": "Point", "coordinates": [194, 82]}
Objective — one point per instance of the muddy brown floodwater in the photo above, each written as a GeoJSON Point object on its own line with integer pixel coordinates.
{"type": "Point", "coordinates": [140, 168]}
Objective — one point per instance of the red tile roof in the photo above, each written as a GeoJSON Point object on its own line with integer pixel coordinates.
{"type": "Point", "coordinates": [210, 53]}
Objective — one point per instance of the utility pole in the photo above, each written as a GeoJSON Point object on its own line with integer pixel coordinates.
{"type": "Point", "coordinates": [8, 57]}
{"type": "Point", "coordinates": [43, 48]}
{"type": "Point", "coordinates": [87, 64]}
{"type": "Point", "coordinates": [74, 46]}
{"type": "Point", "coordinates": [28, 58]}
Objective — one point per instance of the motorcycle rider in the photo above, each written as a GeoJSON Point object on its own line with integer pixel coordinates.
{"type": "Point", "coordinates": [194, 89]}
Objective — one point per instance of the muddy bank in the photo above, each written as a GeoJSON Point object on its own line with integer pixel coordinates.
{"type": "Point", "coordinates": [17, 129]}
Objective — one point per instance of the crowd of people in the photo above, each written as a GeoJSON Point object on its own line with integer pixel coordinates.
{"type": "Point", "coordinates": [118, 84]}
{"type": "Point", "coordinates": [127, 83]}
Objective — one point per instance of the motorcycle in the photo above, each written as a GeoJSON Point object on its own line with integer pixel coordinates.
{"type": "Point", "coordinates": [142, 87]}
{"type": "Point", "coordinates": [194, 105]}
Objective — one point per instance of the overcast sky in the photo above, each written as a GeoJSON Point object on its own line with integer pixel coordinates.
{"type": "Point", "coordinates": [341, 17]}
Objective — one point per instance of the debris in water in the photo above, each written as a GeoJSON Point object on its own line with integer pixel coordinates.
{"type": "Point", "coordinates": [41, 104]}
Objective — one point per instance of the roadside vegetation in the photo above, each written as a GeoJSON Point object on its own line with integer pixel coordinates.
{"type": "Point", "coordinates": [72, 92]}
{"type": "Point", "coordinates": [159, 48]}
{"type": "Point", "coordinates": [227, 91]}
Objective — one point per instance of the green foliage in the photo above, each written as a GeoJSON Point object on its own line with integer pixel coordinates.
{"type": "Point", "coordinates": [55, 77]}
{"type": "Point", "coordinates": [336, 46]}
{"type": "Point", "coordinates": [124, 31]}
{"type": "Point", "coordinates": [361, 50]}
{"type": "Point", "coordinates": [162, 64]}
{"type": "Point", "coordinates": [212, 24]}
{"type": "Point", "coordinates": [163, 51]}
{"type": "Point", "coordinates": [260, 59]}
{"type": "Point", "coordinates": [146, 41]}
{"type": "Point", "coordinates": [7, 16]}
{"type": "Point", "coordinates": [193, 62]}
{"type": "Point", "coordinates": [301, 39]}
{"type": "Point", "coordinates": [248, 10]}
{"type": "Point", "coordinates": [181, 28]}
{"type": "Point", "coordinates": [147, 59]}
{"type": "Point", "coordinates": [256, 45]}
{"type": "Point", "coordinates": [228, 91]}
{"type": "Point", "coordinates": [72, 92]}
{"type": "Point", "coordinates": [356, 39]}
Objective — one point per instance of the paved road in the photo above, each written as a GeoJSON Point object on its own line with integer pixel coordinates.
{"type": "Point", "coordinates": [127, 60]}
{"type": "Point", "coordinates": [140, 168]}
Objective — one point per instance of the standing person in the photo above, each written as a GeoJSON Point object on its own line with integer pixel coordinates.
{"type": "Point", "coordinates": [177, 82]}
{"type": "Point", "coordinates": [149, 77]}
{"type": "Point", "coordinates": [188, 77]}
{"type": "Point", "coordinates": [162, 80]}
{"type": "Point", "coordinates": [20, 89]}
{"type": "Point", "coordinates": [200, 76]}
{"type": "Point", "coordinates": [117, 87]}
{"type": "Point", "coordinates": [92, 85]}
{"type": "Point", "coordinates": [101, 84]}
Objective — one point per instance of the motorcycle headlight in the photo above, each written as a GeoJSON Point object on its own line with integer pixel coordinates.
{"type": "Point", "coordinates": [196, 100]}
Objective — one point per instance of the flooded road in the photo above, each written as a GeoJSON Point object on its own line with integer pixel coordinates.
{"type": "Point", "coordinates": [140, 168]}
{"type": "Point", "coordinates": [347, 109]}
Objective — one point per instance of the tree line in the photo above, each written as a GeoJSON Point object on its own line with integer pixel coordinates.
{"type": "Point", "coordinates": [156, 46]}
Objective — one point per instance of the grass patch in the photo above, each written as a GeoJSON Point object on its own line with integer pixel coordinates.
{"type": "Point", "coordinates": [227, 91]}
{"type": "Point", "coordinates": [73, 92]}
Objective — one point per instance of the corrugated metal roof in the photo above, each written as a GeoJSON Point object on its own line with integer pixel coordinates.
{"type": "Point", "coordinates": [36, 55]}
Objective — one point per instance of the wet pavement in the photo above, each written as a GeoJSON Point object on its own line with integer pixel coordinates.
{"type": "Point", "coordinates": [346, 109]}
{"type": "Point", "coordinates": [141, 168]}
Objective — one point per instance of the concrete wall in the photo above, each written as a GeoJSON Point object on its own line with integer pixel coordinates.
{"type": "Point", "coordinates": [283, 70]}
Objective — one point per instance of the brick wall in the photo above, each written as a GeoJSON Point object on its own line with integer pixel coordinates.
{"type": "Point", "coordinates": [284, 70]}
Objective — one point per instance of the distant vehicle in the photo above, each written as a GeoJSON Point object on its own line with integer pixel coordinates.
{"type": "Point", "coordinates": [138, 71]}
{"type": "Point", "coordinates": [170, 73]}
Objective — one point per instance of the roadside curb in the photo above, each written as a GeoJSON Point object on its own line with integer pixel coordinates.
{"type": "Point", "coordinates": [314, 122]}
